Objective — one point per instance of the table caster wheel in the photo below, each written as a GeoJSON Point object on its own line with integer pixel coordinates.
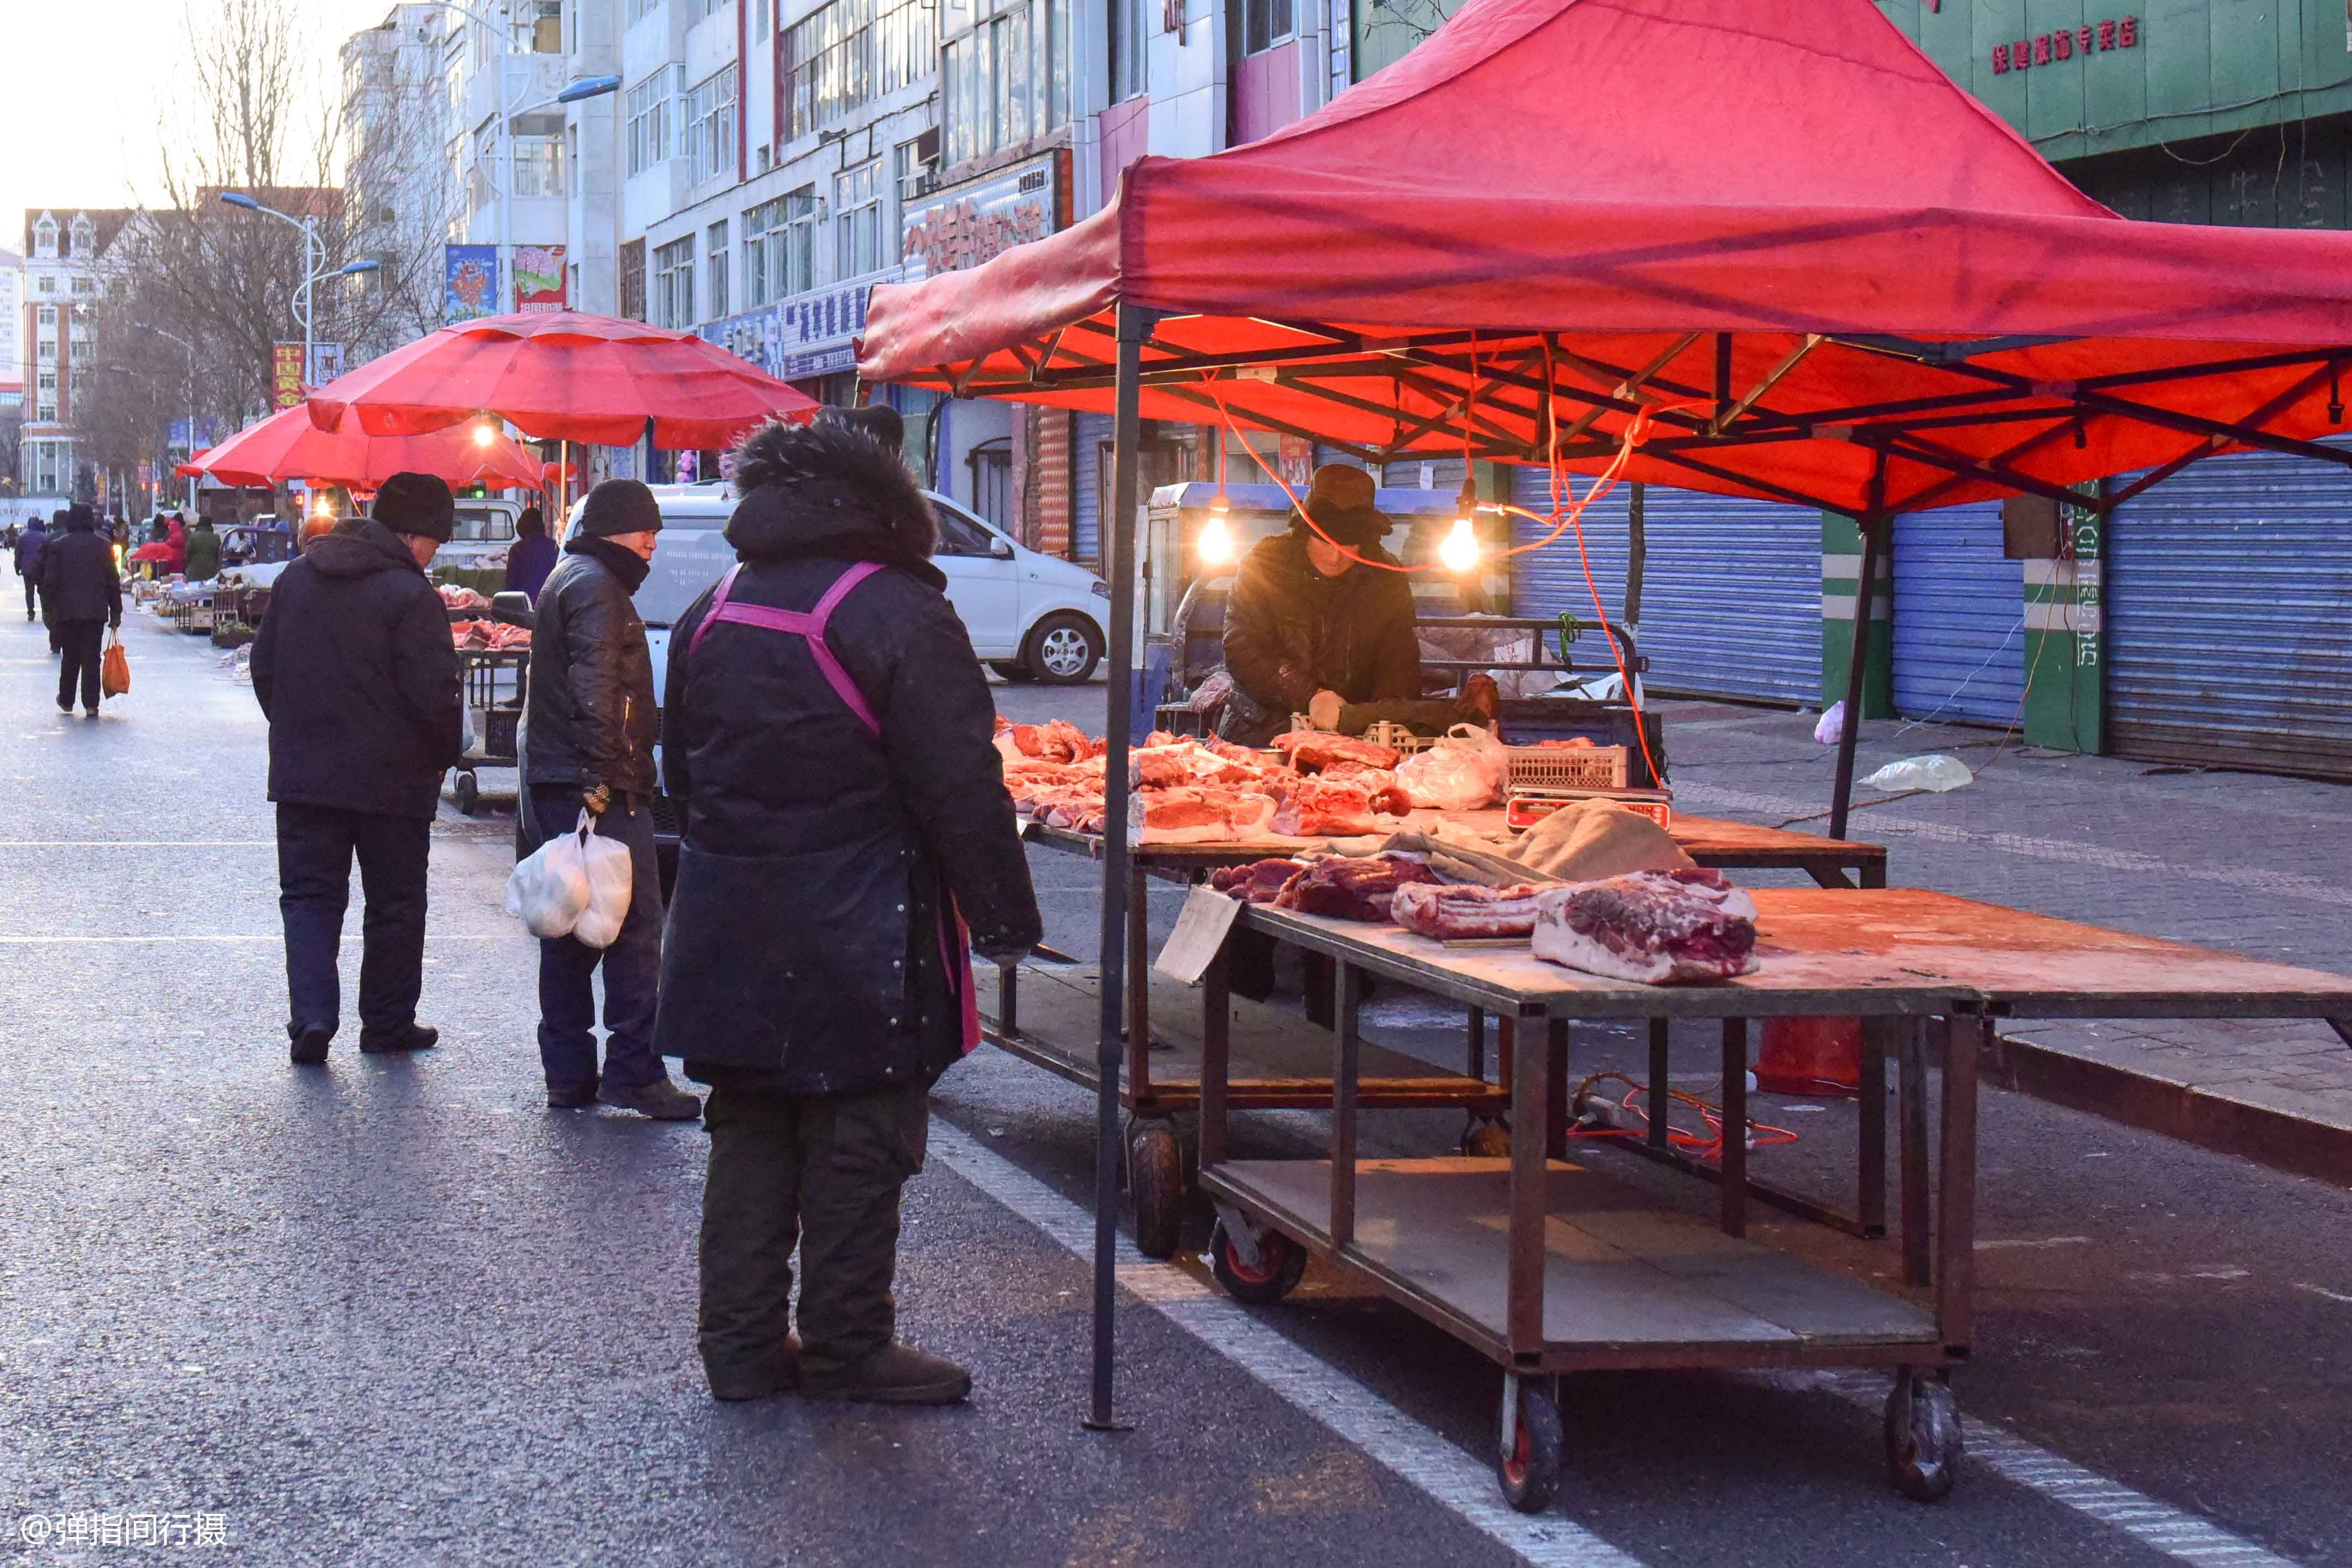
{"type": "Point", "coordinates": [1923, 1437]}
{"type": "Point", "coordinates": [469, 792]}
{"type": "Point", "coordinates": [1529, 1466]}
{"type": "Point", "coordinates": [1274, 1272]}
{"type": "Point", "coordinates": [1486, 1140]}
{"type": "Point", "coordinates": [1155, 1185]}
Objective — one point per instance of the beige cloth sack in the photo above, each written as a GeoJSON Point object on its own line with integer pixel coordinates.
{"type": "Point", "coordinates": [1587, 839]}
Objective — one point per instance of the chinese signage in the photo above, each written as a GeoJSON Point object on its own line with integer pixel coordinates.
{"type": "Point", "coordinates": [2049, 48]}
{"type": "Point", "coordinates": [326, 362]}
{"type": "Point", "coordinates": [285, 375]}
{"type": "Point", "coordinates": [811, 334]}
{"type": "Point", "coordinates": [964, 226]}
{"type": "Point", "coordinates": [538, 276]}
{"type": "Point", "coordinates": [470, 282]}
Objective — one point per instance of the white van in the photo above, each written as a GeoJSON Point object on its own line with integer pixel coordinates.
{"type": "Point", "coordinates": [1030, 616]}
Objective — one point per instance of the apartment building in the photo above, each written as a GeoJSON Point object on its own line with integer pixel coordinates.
{"type": "Point", "coordinates": [64, 292]}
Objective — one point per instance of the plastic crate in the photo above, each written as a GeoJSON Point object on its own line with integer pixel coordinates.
{"type": "Point", "coordinates": [1568, 768]}
{"type": "Point", "coordinates": [1526, 720]}
{"type": "Point", "coordinates": [498, 725]}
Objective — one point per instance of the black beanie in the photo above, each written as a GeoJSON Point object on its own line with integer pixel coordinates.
{"type": "Point", "coordinates": [876, 420]}
{"type": "Point", "coordinates": [620, 506]}
{"type": "Point", "coordinates": [418, 503]}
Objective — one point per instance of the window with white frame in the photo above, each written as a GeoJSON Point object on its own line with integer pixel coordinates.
{"type": "Point", "coordinates": [799, 242]}
{"type": "Point", "coordinates": [1266, 23]}
{"type": "Point", "coordinates": [85, 238]}
{"type": "Point", "coordinates": [858, 198]}
{"type": "Point", "coordinates": [84, 287]}
{"type": "Point", "coordinates": [48, 283]}
{"type": "Point", "coordinates": [710, 126]}
{"type": "Point", "coordinates": [1132, 25]}
{"type": "Point", "coordinates": [49, 384]}
{"type": "Point", "coordinates": [1004, 71]}
{"type": "Point", "coordinates": [45, 237]}
{"type": "Point", "coordinates": [673, 284]}
{"type": "Point", "coordinates": [917, 167]}
{"type": "Point", "coordinates": [714, 268]}
{"type": "Point", "coordinates": [850, 51]}
{"type": "Point", "coordinates": [652, 114]}
{"type": "Point", "coordinates": [539, 164]}
{"type": "Point", "coordinates": [48, 316]}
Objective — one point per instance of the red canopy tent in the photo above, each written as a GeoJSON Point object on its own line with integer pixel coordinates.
{"type": "Point", "coordinates": [1767, 240]}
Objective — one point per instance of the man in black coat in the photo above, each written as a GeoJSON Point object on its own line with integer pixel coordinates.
{"type": "Point", "coordinates": [82, 595]}
{"type": "Point", "coordinates": [587, 744]}
{"type": "Point", "coordinates": [1310, 630]}
{"type": "Point", "coordinates": [827, 738]}
{"type": "Point", "coordinates": [28, 563]}
{"type": "Point", "coordinates": [355, 669]}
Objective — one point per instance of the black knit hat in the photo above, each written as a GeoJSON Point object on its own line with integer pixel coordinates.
{"type": "Point", "coordinates": [620, 506]}
{"type": "Point", "coordinates": [876, 420]}
{"type": "Point", "coordinates": [418, 503]}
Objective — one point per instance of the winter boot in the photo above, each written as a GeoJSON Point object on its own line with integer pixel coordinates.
{"type": "Point", "coordinates": [661, 1100]}
{"type": "Point", "coordinates": [392, 1041]}
{"type": "Point", "coordinates": [895, 1375]}
{"type": "Point", "coordinates": [311, 1047]}
{"type": "Point", "coordinates": [571, 1096]}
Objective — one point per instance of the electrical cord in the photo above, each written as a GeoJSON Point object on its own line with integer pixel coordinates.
{"type": "Point", "coordinates": [1702, 1147]}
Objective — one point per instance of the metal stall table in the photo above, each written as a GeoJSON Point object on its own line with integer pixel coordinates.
{"type": "Point", "coordinates": [495, 682]}
{"type": "Point", "coordinates": [1047, 1017]}
{"type": "Point", "coordinates": [1546, 1266]}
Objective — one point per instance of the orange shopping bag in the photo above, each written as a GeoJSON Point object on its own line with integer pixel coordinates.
{"type": "Point", "coordinates": [114, 670]}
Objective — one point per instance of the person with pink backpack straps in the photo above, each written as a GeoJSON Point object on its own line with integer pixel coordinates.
{"type": "Point", "coordinates": [846, 842]}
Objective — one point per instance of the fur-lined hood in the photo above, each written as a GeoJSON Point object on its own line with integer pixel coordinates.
{"type": "Point", "coordinates": [829, 490]}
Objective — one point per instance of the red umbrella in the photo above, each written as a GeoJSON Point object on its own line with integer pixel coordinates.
{"type": "Point", "coordinates": [561, 374]}
{"type": "Point", "coordinates": [290, 445]}
{"type": "Point", "coordinates": [194, 467]}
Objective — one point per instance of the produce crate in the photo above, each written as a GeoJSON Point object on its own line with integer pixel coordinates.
{"type": "Point", "coordinates": [1526, 720]}
{"type": "Point", "coordinates": [499, 726]}
{"type": "Point", "coordinates": [1568, 768]}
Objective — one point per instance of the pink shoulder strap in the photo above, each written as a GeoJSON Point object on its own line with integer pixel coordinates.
{"type": "Point", "coordinates": [809, 625]}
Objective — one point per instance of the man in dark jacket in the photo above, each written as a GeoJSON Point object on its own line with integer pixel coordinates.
{"type": "Point", "coordinates": [355, 669]}
{"type": "Point", "coordinates": [204, 551]}
{"type": "Point", "coordinates": [1308, 628]}
{"type": "Point", "coordinates": [28, 563]}
{"type": "Point", "coordinates": [532, 555]}
{"type": "Point", "coordinates": [587, 742]}
{"type": "Point", "coordinates": [844, 818]}
{"type": "Point", "coordinates": [82, 596]}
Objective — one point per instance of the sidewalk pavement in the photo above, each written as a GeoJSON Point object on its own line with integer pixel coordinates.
{"type": "Point", "coordinates": [2258, 865]}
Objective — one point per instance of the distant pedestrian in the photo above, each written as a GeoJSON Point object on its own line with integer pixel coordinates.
{"type": "Point", "coordinates": [204, 552]}
{"type": "Point", "coordinates": [532, 556]}
{"type": "Point", "coordinates": [353, 665]}
{"type": "Point", "coordinates": [83, 595]}
{"type": "Point", "coordinates": [29, 544]}
{"type": "Point", "coordinates": [843, 813]}
{"type": "Point", "coordinates": [587, 740]}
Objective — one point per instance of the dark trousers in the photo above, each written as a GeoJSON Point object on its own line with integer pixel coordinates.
{"type": "Point", "coordinates": [32, 597]}
{"type": "Point", "coordinates": [83, 645]}
{"type": "Point", "coordinates": [825, 1172]}
{"type": "Point", "coordinates": [632, 964]}
{"type": "Point", "coordinates": [315, 846]}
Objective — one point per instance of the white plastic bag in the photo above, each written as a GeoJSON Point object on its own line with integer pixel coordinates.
{"type": "Point", "coordinates": [574, 884]}
{"type": "Point", "coordinates": [610, 881]}
{"type": "Point", "coordinates": [1935, 771]}
{"type": "Point", "coordinates": [1832, 727]}
{"type": "Point", "coordinates": [1462, 772]}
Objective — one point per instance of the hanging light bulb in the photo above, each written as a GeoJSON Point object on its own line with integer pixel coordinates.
{"type": "Point", "coordinates": [1215, 543]}
{"type": "Point", "coordinates": [1459, 552]}
{"type": "Point", "coordinates": [484, 435]}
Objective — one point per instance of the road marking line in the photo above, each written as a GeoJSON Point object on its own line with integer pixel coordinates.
{"type": "Point", "coordinates": [272, 937]}
{"type": "Point", "coordinates": [1415, 1453]}
{"type": "Point", "coordinates": [2033, 1242]}
{"type": "Point", "coordinates": [138, 843]}
{"type": "Point", "coordinates": [2159, 1525]}
{"type": "Point", "coordinates": [2324, 1290]}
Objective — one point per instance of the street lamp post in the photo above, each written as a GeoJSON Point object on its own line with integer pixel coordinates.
{"type": "Point", "coordinates": [314, 267]}
{"type": "Point", "coordinates": [188, 407]}
{"type": "Point", "coordinates": [509, 290]}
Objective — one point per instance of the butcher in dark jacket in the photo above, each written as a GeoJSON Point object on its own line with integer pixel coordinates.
{"type": "Point", "coordinates": [82, 595]}
{"type": "Point", "coordinates": [28, 563]}
{"type": "Point", "coordinates": [587, 744]}
{"type": "Point", "coordinates": [355, 669]}
{"type": "Point", "coordinates": [1308, 630]}
{"type": "Point", "coordinates": [532, 555]}
{"type": "Point", "coordinates": [827, 737]}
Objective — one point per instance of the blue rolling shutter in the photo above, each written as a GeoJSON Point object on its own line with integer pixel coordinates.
{"type": "Point", "coordinates": [1959, 617]}
{"type": "Point", "coordinates": [1732, 594]}
{"type": "Point", "coordinates": [2228, 617]}
{"type": "Point", "coordinates": [1089, 434]}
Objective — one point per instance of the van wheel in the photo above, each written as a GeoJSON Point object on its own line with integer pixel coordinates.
{"type": "Point", "coordinates": [1063, 648]}
{"type": "Point", "coordinates": [1012, 670]}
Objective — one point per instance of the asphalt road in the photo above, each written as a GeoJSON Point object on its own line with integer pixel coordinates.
{"type": "Point", "coordinates": [398, 1312]}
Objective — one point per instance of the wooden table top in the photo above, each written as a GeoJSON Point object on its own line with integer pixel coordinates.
{"type": "Point", "coordinates": [1864, 952]}
{"type": "Point", "coordinates": [1706, 839]}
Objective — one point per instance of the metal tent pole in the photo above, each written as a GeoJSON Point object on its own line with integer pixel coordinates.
{"type": "Point", "coordinates": [1875, 529]}
{"type": "Point", "coordinates": [1134, 326]}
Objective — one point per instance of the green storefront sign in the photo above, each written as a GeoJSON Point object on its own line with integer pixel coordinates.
{"type": "Point", "coordinates": [2066, 639]}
